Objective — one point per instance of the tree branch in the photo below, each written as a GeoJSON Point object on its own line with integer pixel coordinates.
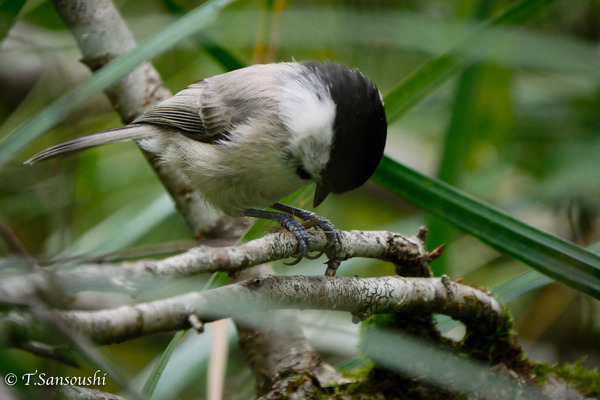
{"type": "Point", "coordinates": [405, 251]}
{"type": "Point", "coordinates": [361, 297]}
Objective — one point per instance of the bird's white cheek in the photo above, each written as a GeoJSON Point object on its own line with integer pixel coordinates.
{"type": "Point", "coordinates": [310, 119]}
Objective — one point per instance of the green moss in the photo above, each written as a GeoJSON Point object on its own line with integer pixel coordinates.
{"type": "Point", "coordinates": [390, 384]}
{"type": "Point", "coordinates": [587, 381]}
{"type": "Point", "coordinates": [499, 345]}
{"type": "Point", "coordinates": [494, 342]}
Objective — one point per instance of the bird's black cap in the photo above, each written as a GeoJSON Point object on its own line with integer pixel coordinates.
{"type": "Point", "coordinates": [360, 129]}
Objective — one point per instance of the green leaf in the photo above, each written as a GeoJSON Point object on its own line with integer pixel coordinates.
{"type": "Point", "coordinates": [525, 283]}
{"type": "Point", "coordinates": [123, 228]}
{"type": "Point", "coordinates": [512, 289]}
{"type": "Point", "coordinates": [552, 256]}
{"type": "Point", "coordinates": [437, 70]}
{"type": "Point", "coordinates": [192, 22]}
{"type": "Point", "coordinates": [160, 366]}
{"type": "Point", "coordinates": [220, 54]}
{"type": "Point", "coordinates": [520, 285]}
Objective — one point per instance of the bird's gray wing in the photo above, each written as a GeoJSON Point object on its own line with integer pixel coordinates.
{"type": "Point", "coordinates": [196, 112]}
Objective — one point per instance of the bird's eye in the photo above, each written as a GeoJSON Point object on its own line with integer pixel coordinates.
{"type": "Point", "coordinates": [302, 173]}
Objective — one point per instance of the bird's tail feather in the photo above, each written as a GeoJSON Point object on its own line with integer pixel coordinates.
{"type": "Point", "coordinates": [130, 132]}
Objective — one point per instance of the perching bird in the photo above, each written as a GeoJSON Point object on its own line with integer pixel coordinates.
{"type": "Point", "coordinates": [247, 138]}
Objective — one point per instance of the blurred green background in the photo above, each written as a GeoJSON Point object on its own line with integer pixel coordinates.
{"type": "Point", "coordinates": [518, 129]}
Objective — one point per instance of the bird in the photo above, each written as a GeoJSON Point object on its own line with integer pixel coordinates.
{"type": "Point", "coordinates": [249, 137]}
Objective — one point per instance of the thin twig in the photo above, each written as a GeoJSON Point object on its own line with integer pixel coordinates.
{"type": "Point", "coordinates": [12, 240]}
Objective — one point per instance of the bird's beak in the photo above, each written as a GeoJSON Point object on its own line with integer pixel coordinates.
{"type": "Point", "coordinates": [320, 194]}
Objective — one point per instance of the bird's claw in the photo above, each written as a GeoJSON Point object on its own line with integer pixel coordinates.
{"type": "Point", "coordinates": [302, 237]}
{"type": "Point", "coordinates": [333, 241]}
{"type": "Point", "coordinates": [299, 230]}
{"type": "Point", "coordinates": [314, 257]}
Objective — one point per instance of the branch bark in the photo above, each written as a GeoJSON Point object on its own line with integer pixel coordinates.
{"type": "Point", "coordinates": [405, 251]}
{"type": "Point", "coordinates": [361, 297]}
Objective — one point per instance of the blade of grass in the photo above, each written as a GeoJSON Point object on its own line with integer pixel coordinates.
{"type": "Point", "coordinates": [160, 366]}
{"type": "Point", "coordinates": [512, 289]}
{"type": "Point", "coordinates": [552, 256]}
{"type": "Point", "coordinates": [525, 283]}
{"type": "Point", "coordinates": [190, 23]}
{"type": "Point", "coordinates": [220, 54]}
{"type": "Point", "coordinates": [437, 70]}
{"type": "Point", "coordinates": [122, 229]}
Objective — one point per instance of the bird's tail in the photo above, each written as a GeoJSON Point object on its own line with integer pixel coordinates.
{"type": "Point", "coordinates": [130, 132]}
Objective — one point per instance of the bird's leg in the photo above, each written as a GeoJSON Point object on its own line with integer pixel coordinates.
{"type": "Point", "coordinates": [331, 233]}
{"type": "Point", "coordinates": [286, 219]}
{"type": "Point", "coordinates": [289, 223]}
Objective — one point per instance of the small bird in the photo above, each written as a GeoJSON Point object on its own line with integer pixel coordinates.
{"type": "Point", "coordinates": [249, 137]}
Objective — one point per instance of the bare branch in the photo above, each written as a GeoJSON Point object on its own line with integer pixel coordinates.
{"type": "Point", "coordinates": [405, 251]}
{"type": "Point", "coordinates": [361, 297]}
{"type": "Point", "coordinates": [50, 352]}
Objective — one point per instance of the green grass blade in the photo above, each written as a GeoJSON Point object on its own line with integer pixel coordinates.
{"type": "Point", "coordinates": [525, 283]}
{"type": "Point", "coordinates": [108, 75]}
{"type": "Point", "coordinates": [436, 71]}
{"type": "Point", "coordinates": [520, 285]}
{"type": "Point", "coordinates": [552, 256]}
{"type": "Point", "coordinates": [123, 228]}
{"type": "Point", "coordinates": [511, 290]}
{"type": "Point", "coordinates": [160, 366]}
{"type": "Point", "coordinates": [220, 54]}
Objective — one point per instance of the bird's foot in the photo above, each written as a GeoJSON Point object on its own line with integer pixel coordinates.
{"type": "Point", "coordinates": [286, 219]}
{"type": "Point", "coordinates": [310, 219]}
